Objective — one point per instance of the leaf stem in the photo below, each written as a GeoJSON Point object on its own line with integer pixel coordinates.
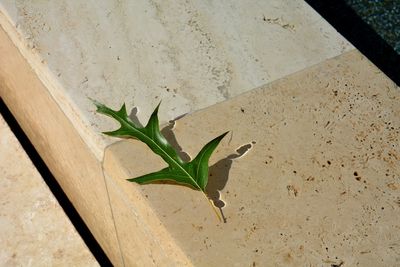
{"type": "Point", "coordinates": [212, 206]}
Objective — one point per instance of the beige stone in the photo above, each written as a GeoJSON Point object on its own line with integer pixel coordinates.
{"type": "Point", "coordinates": [318, 187]}
{"type": "Point", "coordinates": [286, 205]}
{"type": "Point", "coordinates": [190, 54]}
{"type": "Point", "coordinates": [57, 141]}
{"type": "Point", "coordinates": [34, 231]}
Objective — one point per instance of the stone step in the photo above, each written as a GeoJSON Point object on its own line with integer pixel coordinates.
{"type": "Point", "coordinates": [191, 55]}
{"type": "Point", "coordinates": [34, 228]}
{"type": "Point", "coordinates": [56, 139]}
{"type": "Point", "coordinates": [318, 185]}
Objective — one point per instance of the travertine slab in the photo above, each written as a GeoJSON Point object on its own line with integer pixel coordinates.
{"type": "Point", "coordinates": [190, 54]}
{"type": "Point", "coordinates": [57, 140]}
{"type": "Point", "coordinates": [320, 185]}
{"type": "Point", "coordinates": [34, 231]}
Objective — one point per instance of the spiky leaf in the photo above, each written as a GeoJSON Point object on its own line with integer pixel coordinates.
{"type": "Point", "coordinates": [193, 173]}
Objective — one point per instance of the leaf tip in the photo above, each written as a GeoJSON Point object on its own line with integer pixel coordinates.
{"type": "Point", "coordinates": [157, 107]}
{"type": "Point", "coordinates": [96, 103]}
{"type": "Point", "coordinates": [122, 111]}
{"type": "Point", "coordinates": [222, 136]}
{"type": "Point", "coordinates": [132, 180]}
{"type": "Point", "coordinates": [109, 133]}
{"type": "Point", "coordinates": [154, 116]}
{"type": "Point", "coordinates": [225, 133]}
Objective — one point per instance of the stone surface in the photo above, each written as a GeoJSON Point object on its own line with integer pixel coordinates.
{"type": "Point", "coordinates": [34, 231]}
{"type": "Point", "coordinates": [318, 186]}
{"type": "Point", "coordinates": [190, 54]}
{"type": "Point", "coordinates": [59, 144]}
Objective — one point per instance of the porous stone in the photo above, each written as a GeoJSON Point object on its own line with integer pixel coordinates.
{"type": "Point", "coordinates": [317, 186]}
{"type": "Point", "coordinates": [34, 230]}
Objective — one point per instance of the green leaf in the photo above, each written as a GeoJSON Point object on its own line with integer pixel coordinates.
{"type": "Point", "coordinates": [193, 174]}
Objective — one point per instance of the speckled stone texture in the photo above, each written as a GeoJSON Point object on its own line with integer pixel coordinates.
{"type": "Point", "coordinates": [318, 186]}
{"type": "Point", "coordinates": [34, 231]}
{"type": "Point", "coordinates": [190, 54]}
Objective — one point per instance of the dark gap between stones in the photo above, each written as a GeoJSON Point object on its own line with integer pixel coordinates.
{"type": "Point", "coordinates": [346, 21]}
{"type": "Point", "coordinates": [55, 188]}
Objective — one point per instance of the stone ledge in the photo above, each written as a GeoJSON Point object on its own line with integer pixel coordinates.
{"type": "Point", "coordinates": [189, 54]}
{"type": "Point", "coordinates": [320, 185]}
{"type": "Point", "coordinates": [74, 166]}
{"type": "Point", "coordinates": [34, 229]}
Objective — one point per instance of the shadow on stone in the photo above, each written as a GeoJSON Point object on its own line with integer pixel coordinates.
{"type": "Point", "coordinates": [219, 175]}
{"type": "Point", "coordinates": [134, 118]}
{"type": "Point", "coordinates": [168, 133]}
{"type": "Point", "coordinates": [170, 136]}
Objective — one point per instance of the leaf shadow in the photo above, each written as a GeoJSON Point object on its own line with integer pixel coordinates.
{"type": "Point", "coordinates": [169, 134]}
{"type": "Point", "coordinates": [219, 174]}
{"type": "Point", "coordinates": [134, 118]}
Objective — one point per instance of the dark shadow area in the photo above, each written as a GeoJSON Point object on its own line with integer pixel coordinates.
{"type": "Point", "coordinates": [168, 133]}
{"type": "Point", "coordinates": [219, 174]}
{"type": "Point", "coordinates": [134, 118]}
{"type": "Point", "coordinates": [346, 21]}
{"type": "Point", "coordinates": [55, 188]}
